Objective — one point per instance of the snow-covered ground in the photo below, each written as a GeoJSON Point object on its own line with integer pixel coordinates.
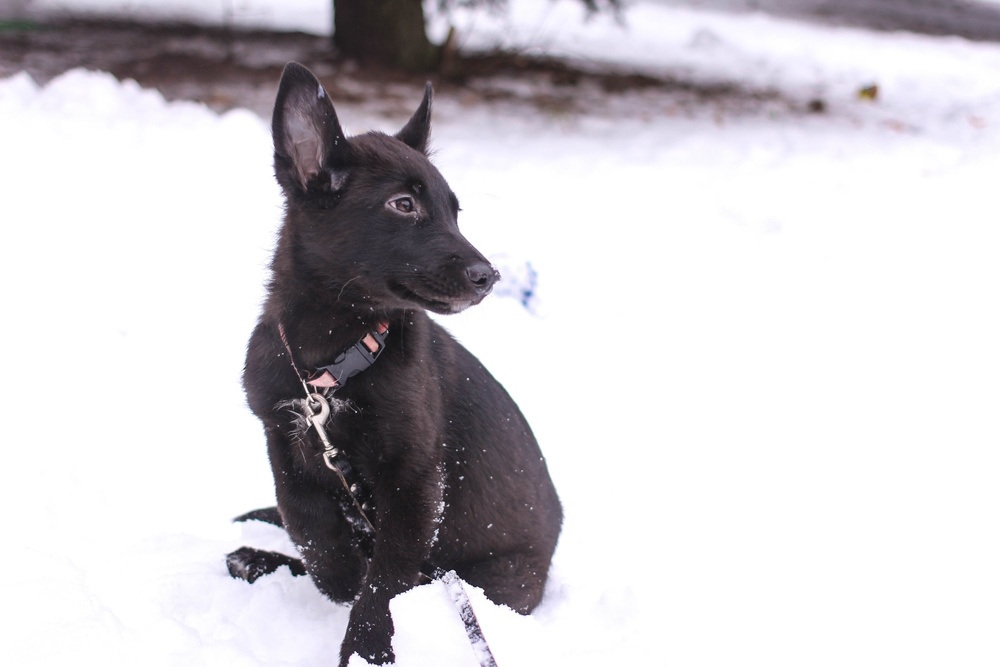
{"type": "Point", "coordinates": [762, 360]}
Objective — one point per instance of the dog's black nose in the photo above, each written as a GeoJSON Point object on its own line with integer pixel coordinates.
{"type": "Point", "coordinates": [482, 276]}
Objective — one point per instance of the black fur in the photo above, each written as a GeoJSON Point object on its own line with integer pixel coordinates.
{"type": "Point", "coordinates": [451, 468]}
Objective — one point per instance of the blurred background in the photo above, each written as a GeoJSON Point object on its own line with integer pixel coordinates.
{"type": "Point", "coordinates": [221, 52]}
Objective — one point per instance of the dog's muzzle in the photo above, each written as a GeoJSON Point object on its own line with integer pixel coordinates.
{"type": "Point", "coordinates": [483, 277]}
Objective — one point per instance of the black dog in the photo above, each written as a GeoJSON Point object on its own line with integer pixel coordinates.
{"type": "Point", "coordinates": [443, 469]}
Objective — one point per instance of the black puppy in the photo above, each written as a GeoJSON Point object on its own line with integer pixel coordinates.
{"type": "Point", "coordinates": [442, 467]}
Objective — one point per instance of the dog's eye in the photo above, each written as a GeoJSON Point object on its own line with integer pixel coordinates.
{"type": "Point", "coordinates": [403, 204]}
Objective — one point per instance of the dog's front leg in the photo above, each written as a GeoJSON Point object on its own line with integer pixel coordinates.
{"type": "Point", "coordinates": [408, 499]}
{"type": "Point", "coordinates": [312, 516]}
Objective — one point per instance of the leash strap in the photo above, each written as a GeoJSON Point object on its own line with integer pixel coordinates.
{"type": "Point", "coordinates": [459, 598]}
{"type": "Point", "coordinates": [349, 363]}
{"type": "Point", "coordinates": [316, 409]}
{"type": "Point", "coordinates": [291, 358]}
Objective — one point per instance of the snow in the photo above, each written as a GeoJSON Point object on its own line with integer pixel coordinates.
{"type": "Point", "coordinates": [304, 15]}
{"type": "Point", "coordinates": [761, 357]}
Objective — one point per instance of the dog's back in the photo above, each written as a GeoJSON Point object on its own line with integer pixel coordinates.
{"type": "Point", "coordinates": [443, 461]}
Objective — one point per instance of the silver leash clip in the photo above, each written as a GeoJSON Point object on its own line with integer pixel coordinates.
{"type": "Point", "coordinates": [317, 411]}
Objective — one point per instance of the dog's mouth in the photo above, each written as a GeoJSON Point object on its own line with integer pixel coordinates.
{"type": "Point", "coordinates": [437, 303]}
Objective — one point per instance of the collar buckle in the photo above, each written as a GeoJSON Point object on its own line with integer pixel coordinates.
{"type": "Point", "coordinates": [355, 359]}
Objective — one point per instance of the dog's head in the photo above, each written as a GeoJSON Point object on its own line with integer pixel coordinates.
{"type": "Point", "coordinates": [368, 218]}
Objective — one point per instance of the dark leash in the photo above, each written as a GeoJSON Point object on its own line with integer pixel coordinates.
{"type": "Point", "coordinates": [316, 409]}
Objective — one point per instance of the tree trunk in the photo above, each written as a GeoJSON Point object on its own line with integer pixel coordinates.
{"type": "Point", "coordinates": [383, 32]}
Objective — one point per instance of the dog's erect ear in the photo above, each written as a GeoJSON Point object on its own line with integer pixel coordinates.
{"type": "Point", "coordinates": [308, 139]}
{"type": "Point", "coordinates": [417, 130]}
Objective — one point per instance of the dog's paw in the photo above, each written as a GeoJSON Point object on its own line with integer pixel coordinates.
{"type": "Point", "coordinates": [251, 564]}
{"type": "Point", "coordinates": [266, 514]}
{"type": "Point", "coordinates": [385, 658]}
{"type": "Point", "coordinates": [369, 634]}
{"type": "Point", "coordinates": [376, 657]}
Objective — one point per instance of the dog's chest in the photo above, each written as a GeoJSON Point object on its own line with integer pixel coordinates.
{"type": "Point", "coordinates": [333, 451]}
